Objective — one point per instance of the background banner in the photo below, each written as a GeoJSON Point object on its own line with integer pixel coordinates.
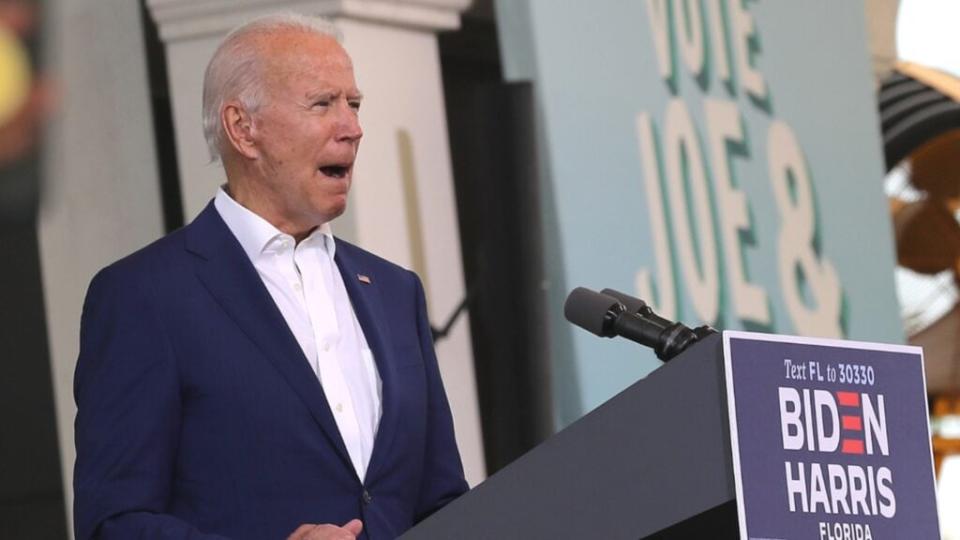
{"type": "Point", "coordinates": [719, 158]}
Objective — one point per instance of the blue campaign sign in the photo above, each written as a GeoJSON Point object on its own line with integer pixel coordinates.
{"type": "Point", "coordinates": [830, 439]}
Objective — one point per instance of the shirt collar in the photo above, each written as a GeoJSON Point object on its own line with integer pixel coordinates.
{"type": "Point", "coordinates": [256, 234]}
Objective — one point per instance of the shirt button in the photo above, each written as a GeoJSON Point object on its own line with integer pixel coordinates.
{"type": "Point", "coordinates": [326, 346]}
{"type": "Point", "coordinates": [339, 407]}
{"type": "Point", "coordinates": [297, 287]}
{"type": "Point", "coordinates": [366, 497]}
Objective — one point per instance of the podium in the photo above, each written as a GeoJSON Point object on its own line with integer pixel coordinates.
{"type": "Point", "coordinates": [653, 461]}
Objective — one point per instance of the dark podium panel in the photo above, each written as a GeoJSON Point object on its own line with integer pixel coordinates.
{"type": "Point", "coordinates": [653, 461]}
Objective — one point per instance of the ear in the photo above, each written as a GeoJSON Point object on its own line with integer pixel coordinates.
{"type": "Point", "coordinates": [239, 129]}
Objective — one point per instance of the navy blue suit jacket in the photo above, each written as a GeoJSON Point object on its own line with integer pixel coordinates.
{"type": "Point", "coordinates": [199, 417]}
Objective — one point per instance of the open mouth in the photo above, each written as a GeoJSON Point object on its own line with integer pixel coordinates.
{"type": "Point", "coordinates": [335, 171]}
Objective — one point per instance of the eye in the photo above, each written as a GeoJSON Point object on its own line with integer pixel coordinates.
{"type": "Point", "coordinates": [321, 103]}
{"type": "Point", "coordinates": [355, 105]}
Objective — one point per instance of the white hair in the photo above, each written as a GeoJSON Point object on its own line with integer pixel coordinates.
{"type": "Point", "coordinates": [236, 70]}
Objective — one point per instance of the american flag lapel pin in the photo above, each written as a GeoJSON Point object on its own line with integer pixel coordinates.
{"type": "Point", "coordinates": [364, 279]}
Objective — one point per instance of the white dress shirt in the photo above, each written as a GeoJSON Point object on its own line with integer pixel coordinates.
{"type": "Point", "coordinates": [306, 285]}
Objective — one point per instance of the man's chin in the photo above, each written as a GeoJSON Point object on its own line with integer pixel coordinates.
{"type": "Point", "coordinates": [324, 199]}
{"type": "Point", "coordinates": [334, 210]}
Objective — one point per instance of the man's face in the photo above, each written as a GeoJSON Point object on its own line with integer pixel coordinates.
{"type": "Point", "coordinates": [306, 131]}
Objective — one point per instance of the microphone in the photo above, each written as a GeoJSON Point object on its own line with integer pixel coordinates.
{"type": "Point", "coordinates": [641, 308]}
{"type": "Point", "coordinates": [606, 316]}
{"type": "Point", "coordinates": [636, 305]}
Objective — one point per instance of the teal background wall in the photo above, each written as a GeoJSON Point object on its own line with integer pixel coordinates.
{"type": "Point", "coordinates": [796, 182]}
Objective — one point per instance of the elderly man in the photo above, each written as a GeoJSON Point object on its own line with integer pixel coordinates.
{"type": "Point", "coordinates": [250, 376]}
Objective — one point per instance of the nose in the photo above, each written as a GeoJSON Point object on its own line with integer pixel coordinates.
{"type": "Point", "coordinates": [349, 129]}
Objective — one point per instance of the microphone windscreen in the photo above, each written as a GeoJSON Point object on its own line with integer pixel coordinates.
{"type": "Point", "coordinates": [588, 310]}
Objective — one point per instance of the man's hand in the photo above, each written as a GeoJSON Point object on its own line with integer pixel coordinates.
{"type": "Point", "coordinates": [309, 531]}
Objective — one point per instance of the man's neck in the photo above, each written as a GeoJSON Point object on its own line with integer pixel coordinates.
{"type": "Point", "coordinates": [253, 201]}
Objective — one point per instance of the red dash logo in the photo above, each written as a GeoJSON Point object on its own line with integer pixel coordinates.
{"type": "Point", "coordinates": [852, 446]}
{"type": "Point", "coordinates": [825, 421]}
{"type": "Point", "coordinates": [848, 399]}
{"type": "Point", "coordinates": [852, 443]}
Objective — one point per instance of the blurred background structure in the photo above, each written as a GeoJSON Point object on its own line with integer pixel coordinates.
{"type": "Point", "coordinates": [919, 105]}
{"type": "Point", "coordinates": [781, 167]}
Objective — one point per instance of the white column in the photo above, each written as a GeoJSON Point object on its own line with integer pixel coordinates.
{"type": "Point", "coordinates": [881, 18]}
{"type": "Point", "coordinates": [102, 194]}
{"type": "Point", "coordinates": [402, 205]}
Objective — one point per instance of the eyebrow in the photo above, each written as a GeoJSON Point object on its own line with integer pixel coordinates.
{"type": "Point", "coordinates": [328, 94]}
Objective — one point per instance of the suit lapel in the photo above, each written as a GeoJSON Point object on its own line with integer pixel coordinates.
{"type": "Point", "coordinates": [228, 274]}
{"type": "Point", "coordinates": [363, 287]}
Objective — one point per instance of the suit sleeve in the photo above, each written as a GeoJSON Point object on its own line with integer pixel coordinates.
{"type": "Point", "coordinates": [442, 479]}
{"type": "Point", "coordinates": [128, 416]}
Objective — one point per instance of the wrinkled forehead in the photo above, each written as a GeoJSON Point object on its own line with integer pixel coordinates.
{"type": "Point", "coordinates": [289, 52]}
